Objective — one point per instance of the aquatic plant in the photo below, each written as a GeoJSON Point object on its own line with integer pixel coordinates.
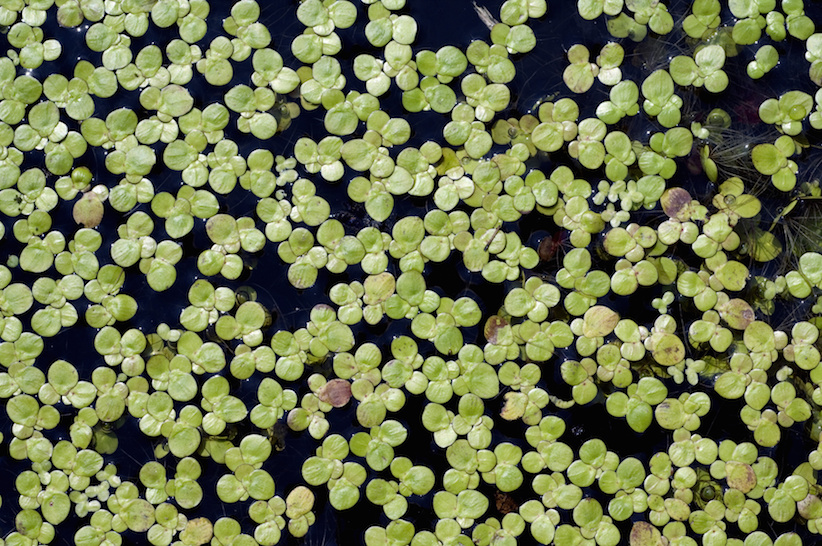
{"type": "Point", "coordinates": [594, 321]}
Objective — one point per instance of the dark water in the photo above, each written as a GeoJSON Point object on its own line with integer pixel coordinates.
{"type": "Point", "coordinates": [539, 74]}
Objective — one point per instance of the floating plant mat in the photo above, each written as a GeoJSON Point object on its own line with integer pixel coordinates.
{"type": "Point", "coordinates": [334, 272]}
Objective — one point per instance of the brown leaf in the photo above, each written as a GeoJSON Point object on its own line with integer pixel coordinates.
{"type": "Point", "coordinates": [492, 325]}
{"type": "Point", "coordinates": [505, 503]}
{"type": "Point", "coordinates": [336, 392]}
{"type": "Point", "coordinates": [675, 203]}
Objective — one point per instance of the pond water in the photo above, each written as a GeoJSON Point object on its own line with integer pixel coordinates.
{"type": "Point", "coordinates": [539, 79]}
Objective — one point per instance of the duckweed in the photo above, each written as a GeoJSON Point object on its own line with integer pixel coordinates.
{"type": "Point", "coordinates": [287, 264]}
